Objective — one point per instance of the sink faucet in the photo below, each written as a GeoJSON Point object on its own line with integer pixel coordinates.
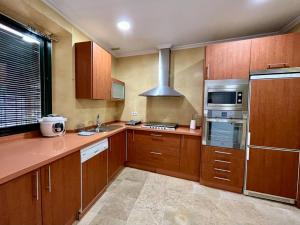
{"type": "Point", "coordinates": [98, 123]}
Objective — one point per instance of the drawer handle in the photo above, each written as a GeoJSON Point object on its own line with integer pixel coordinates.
{"type": "Point", "coordinates": [227, 171]}
{"type": "Point", "coordinates": [156, 135]}
{"type": "Point", "coordinates": [278, 65]}
{"type": "Point", "coordinates": [224, 153]}
{"type": "Point", "coordinates": [222, 161]}
{"type": "Point", "coordinates": [221, 178]}
{"type": "Point", "coordinates": [156, 153]}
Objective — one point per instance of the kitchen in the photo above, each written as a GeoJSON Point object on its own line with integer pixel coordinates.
{"type": "Point", "coordinates": [232, 146]}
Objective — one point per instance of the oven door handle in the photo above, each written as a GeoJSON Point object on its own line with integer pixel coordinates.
{"type": "Point", "coordinates": [226, 120]}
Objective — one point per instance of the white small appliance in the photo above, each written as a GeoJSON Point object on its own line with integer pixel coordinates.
{"type": "Point", "coordinates": [52, 125]}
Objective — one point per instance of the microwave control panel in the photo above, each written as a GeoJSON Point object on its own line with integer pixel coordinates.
{"type": "Point", "coordinates": [239, 99]}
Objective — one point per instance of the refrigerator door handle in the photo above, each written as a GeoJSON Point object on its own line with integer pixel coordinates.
{"type": "Point", "coordinates": [248, 146]}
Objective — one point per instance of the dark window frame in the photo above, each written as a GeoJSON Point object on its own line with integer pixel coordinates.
{"type": "Point", "coordinates": [45, 66]}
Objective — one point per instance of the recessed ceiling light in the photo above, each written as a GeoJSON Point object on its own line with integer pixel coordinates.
{"type": "Point", "coordinates": [123, 25]}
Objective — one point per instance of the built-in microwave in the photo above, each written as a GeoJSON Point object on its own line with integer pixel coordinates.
{"type": "Point", "coordinates": [226, 94]}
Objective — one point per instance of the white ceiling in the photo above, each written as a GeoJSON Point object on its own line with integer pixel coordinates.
{"type": "Point", "coordinates": [182, 23]}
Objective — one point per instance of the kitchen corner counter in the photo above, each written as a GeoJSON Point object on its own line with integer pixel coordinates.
{"type": "Point", "coordinates": [21, 156]}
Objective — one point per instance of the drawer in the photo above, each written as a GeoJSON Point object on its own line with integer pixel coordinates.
{"type": "Point", "coordinates": [157, 160]}
{"type": "Point", "coordinates": [222, 166]}
{"type": "Point", "coordinates": [158, 142]}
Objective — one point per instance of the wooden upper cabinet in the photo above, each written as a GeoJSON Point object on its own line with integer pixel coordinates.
{"type": "Point", "coordinates": [93, 71]}
{"type": "Point", "coordinates": [20, 200]}
{"type": "Point", "coordinates": [275, 52]}
{"type": "Point", "coordinates": [60, 184]}
{"type": "Point", "coordinates": [229, 60]}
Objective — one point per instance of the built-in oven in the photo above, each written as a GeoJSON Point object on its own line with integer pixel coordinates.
{"type": "Point", "coordinates": [226, 94]}
{"type": "Point", "coordinates": [225, 129]}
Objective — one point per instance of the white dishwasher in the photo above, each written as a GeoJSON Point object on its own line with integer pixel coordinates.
{"type": "Point", "coordinates": [93, 172]}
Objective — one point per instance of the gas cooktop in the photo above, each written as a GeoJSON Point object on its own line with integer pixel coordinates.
{"type": "Point", "coordinates": [160, 125]}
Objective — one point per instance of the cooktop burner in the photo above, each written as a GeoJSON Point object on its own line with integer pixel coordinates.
{"type": "Point", "coordinates": [160, 125]}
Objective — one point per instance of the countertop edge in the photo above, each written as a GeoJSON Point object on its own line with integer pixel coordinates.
{"type": "Point", "coordinates": [77, 148]}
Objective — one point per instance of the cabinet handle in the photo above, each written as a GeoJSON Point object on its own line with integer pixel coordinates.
{"type": "Point", "coordinates": [224, 153]}
{"type": "Point", "coordinates": [221, 178]}
{"type": "Point", "coordinates": [277, 65]}
{"type": "Point", "coordinates": [156, 135]}
{"type": "Point", "coordinates": [36, 185]}
{"type": "Point", "coordinates": [156, 153]}
{"type": "Point", "coordinates": [222, 161]}
{"type": "Point", "coordinates": [207, 71]}
{"type": "Point", "coordinates": [227, 171]}
{"type": "Point", "coordinates": [49, 179]}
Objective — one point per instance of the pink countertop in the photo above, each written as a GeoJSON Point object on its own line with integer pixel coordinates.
{"type": "Point", "coordinates": [21, 156]}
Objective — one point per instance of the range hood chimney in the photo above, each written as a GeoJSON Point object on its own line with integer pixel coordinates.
{"type": "Point", "coordinates": [163, 89]}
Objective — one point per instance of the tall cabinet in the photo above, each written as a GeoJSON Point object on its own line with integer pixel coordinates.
{"type": "Point", "coordinates": [273, 162]}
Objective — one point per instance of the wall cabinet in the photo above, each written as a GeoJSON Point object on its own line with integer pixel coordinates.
{"type": "Point", "coordinates": [93, 71]}
{"type": "Point", "coordinates": [275, 52]}
{"type": "Point", "coordinates": [222, 168]}
{"type": "Point", "coordinates": [170, 154]}
{"type": "Point", "coordinates": [116, 154]}
{"type": "Point", "coordinates": [20, 200]}
{"type": "Point", "coordinates": [61, 190]}
{"type": "Point", "coordinates": [229, 60]}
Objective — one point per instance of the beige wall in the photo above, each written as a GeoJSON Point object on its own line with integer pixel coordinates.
{"type": "Point", "coordinates": [140, 73]}
{"type": "Point", "coordinates": [296, 28]}
{"type": "Point", "coordinates": [39, 15]}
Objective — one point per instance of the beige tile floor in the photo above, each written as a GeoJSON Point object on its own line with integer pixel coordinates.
{"type": "Point", "coordinates": [138, 197]}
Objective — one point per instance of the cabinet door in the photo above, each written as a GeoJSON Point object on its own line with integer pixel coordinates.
{"type": "Point", "coordinates": [275, 52]}
{"type": "Point", "coordinates": [130, 147]}
{"type": "Point", "coordinates": [101, 73]}
{"type": "Point", "coordinates": [190, 156]}
{"type": "Point", "coordinates": [274, 113]}
{"type": "Point", "coordinates": [94, 178]}
{"type": "Point", "coordinates": [61, 190]}
{"type": "Point", "coordinates": [273, 172]}
{"type": "Point", "coordinates": [116, 154]}
{"type": "Point", "coordinates": [230, 60]}
{"type": "Point", "coordinates": [20, 201]}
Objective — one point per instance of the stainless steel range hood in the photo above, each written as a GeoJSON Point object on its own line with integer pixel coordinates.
{"type": "Point", "coordinates": [163, 89]}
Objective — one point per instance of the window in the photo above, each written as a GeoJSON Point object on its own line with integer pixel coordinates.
{"type": "Point", "coordinates": [25, 77]}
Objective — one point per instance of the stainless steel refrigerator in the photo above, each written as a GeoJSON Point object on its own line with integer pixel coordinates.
{"type": "Point", "coordinates": [273, 142]}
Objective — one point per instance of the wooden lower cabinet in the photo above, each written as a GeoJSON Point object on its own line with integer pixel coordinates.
{"type": "Point", "coordinates": [170, 154]}
{"type": "Point", "coordinates": [190, 156]}
{"type": "Point", "coordinates": [116, 154]}
{"type": "Point", "coordinates": [94, 178]}
{"type": "Point", "coordinates": [61, 190]}
{"type": "Point", "coordinates": [273, 172]}
{"type": "Point", "coordinates": [222, 168]}
{"type": "Point", "coordinates": [20, 200]}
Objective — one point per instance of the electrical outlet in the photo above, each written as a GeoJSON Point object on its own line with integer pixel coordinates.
{"type": "Point", "coordinates": [134, 113]}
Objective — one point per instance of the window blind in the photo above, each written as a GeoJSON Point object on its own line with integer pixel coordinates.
{"type": "Point", "coordinates": [20, 79]}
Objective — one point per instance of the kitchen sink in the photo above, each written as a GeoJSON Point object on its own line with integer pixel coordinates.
{"type": "Point", "coordinates": [105, 128]}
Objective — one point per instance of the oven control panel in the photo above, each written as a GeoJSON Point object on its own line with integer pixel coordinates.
{"type": "Point", "coordinates": [225, 114]}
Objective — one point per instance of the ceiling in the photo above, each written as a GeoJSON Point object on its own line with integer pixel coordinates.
{"type": "Point", "coordinates": [182, 23]}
